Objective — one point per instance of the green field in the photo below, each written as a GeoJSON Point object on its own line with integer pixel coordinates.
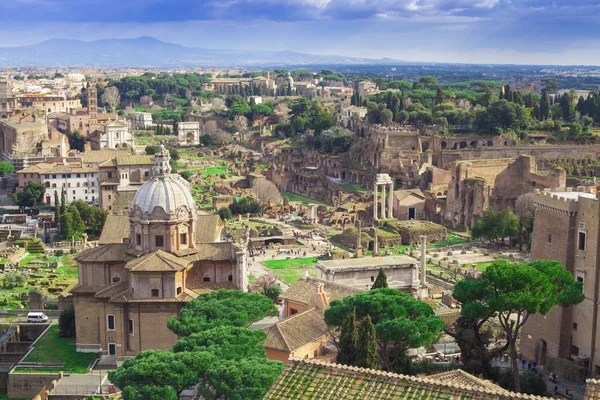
{"type": "Point", "coordinates": [214, 171]}
{"type": "Point", "coordinates": [53, 349]}
{"type": "Point", "coordinates": [296, 198]}
{"type": "Point", "coordinates": [289, 271]}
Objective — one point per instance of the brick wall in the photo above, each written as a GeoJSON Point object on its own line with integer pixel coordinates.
{"type": "Point", "coordinates": [26, 386]}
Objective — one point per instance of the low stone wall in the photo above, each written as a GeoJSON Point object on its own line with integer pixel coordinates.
{"type": "Point", "coordinates": [26, 386]}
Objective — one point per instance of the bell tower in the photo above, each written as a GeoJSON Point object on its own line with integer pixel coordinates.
{"type": "Point", "coordinates": [92, 93]}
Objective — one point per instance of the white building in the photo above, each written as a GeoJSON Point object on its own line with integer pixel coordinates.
{"type": "Point", "coordinates": [79, 183]}
{"type": "Point", "coordinates": [140, 120]}
{"type": "Point", "coordinates": [351, 113]}
{"type": "Point", "coordinates": [188, 133]}
{"type": "Point", "coordinates": [113, 135]}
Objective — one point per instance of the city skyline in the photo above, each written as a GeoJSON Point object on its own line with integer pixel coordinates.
{"type": "Point", "coordinates": [457, 31]}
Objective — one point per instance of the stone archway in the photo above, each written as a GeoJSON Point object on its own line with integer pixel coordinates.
{"type": "Point", "coordinates": [444, 145]}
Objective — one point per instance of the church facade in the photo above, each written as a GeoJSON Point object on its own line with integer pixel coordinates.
{"type": "Point", "coordinates": [128, 290]}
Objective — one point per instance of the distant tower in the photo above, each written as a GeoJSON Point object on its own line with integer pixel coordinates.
{"type": "Point", "coordinates": [92, 93]}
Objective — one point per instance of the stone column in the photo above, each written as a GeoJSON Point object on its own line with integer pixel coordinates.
{"type": "Point", "coordinates": [383, 198]}
{"type": "Point", "coordinates": [391, 206]}
{"type": "Point", "coordinates": [375, 205]}
{"type": "Point", "coordinates": [423, 260]}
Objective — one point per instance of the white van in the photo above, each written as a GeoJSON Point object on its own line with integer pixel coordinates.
{"type": "Point", "coordinates": [37, 317]}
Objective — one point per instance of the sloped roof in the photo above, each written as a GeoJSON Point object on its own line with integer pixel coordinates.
{"type": "Point", "coordinates": [302, 290]}
{"type": "Point", "coordinates": [209, 252]}
{"type": "Point", "coordinates": [402, 194]}
{"type": "Point", "coordinates": [113, 252]}
{"type": "Point", "coordinates": [100, 156]}
{"type": "Point", "coordinates": [458, 376]}
{"type": "Point", "coordinates": [208, 228]}
{"type": "Point", "coordinates": [296, 331]}
{"type": "Point", "coordinates": [157, 261]}
{"type": "Point", "coordinates": [310, 379]}
{"type": "Point", "coordinates": [135, 160]}
{"type": "Point", "coordinates": [116, 228]}
{"type": "Point", "coordinates": [112, 290]}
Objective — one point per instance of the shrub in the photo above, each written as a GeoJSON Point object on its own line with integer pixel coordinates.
{"type": "Point", "coordinates": [73, 251]}
{"type": "Point", "coordinates": [66, 323]}
{"type": "Point", "coordinates": [224, 213]}
{"type": "Point", "coordinates": [60, 253]}
{"type": "Point", "coordinates": [531, 382]}
{"type": "Point", "coordinates": [13, 280]}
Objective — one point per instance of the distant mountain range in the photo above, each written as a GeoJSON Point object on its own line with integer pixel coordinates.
{"type": "Point", "coordinates": [150, 52]}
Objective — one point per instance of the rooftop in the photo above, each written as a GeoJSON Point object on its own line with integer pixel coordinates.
{"type": "Point", "coordinates": [366, 263]}
{"type": "Point", "coordinates": [296, 331]}
{"type": "Point", "coordinates": [303, 289]}
{"type": "Point", "coordinates": [309, 379]}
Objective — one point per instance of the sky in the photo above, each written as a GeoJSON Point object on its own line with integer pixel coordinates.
{"type": "Point", "coordinates": [564, 32]}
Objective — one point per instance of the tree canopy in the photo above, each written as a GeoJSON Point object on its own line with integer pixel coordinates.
{"type": "Point", "coordinates": [221, 307]}
{"type": "Point", "coordinates": [495, 226]}
{"type": "Point", "coordinates": [520, 290]}
{"type": "Point", "coordinates": [216, 350]}
{"type": "Point", "coordinates": [401, 322]}
{"type": "Point", "coordinates": [28, 197]}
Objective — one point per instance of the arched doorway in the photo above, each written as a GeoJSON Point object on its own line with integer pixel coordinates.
{"type": "Point", "coordinates": [444, 145]}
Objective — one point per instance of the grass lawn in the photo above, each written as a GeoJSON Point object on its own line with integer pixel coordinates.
{"type": "Point", "coordinates": [289, 271]}
{"type": "Point", "coordinates": [482, 265]}
{"type": "Point", "coordinates": [5, 397]}
{"type": "Point", "coordinates": [214, 171]}
{"type": "Point", "coordinates": [452, 239]}
{"type": "Point", "coordinates": [53, 349]}
{"type": "Point", "coordinates": [296, 198]}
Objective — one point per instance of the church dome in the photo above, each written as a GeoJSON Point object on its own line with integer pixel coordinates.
{"type": "Point", "coordinates": [169, 192]}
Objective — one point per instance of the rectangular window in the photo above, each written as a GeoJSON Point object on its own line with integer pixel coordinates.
{"type": "Point", "coordinates": [581, 241]}
{"type": "Point", "coordinates": [79, 175]}
{"type": "Point", "coordinates": [293, 311]}
{"type": "Point", "coordinates": [130, 327]}
{"type": "Point", "coordinates": [549, 238]}
{"type": "Point", "coordinates": [372, 278]}
{"type": "Point", "coordinates": [110, 174]}
{"type": "Point", "coordinates": [575, 326]}
{"type": "Point", "coordinates": [154, 292]}
{"type": "Point", "coordinates": [138, 239]}
{"type": "Point", "coordinates": [574, 351]}
{"type": "Point", "coordinates": [159, 240]}
{"type": "Point", "coordinates": [183, 238]}
{"type": "Point", "coordinates": [110, 322]}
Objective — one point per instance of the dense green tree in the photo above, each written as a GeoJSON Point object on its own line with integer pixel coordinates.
{"type": "Point", "coordinates": [440, 96]}
{"type": "Point", "coordinates": [531, 382]}
{"type": "Point", "coordinates": [544, 106]}
{"type": "Point", "coordinates": [386, 117]}
{"type": "Point", "coordinates": [230, 342]}
{"type": "Point", "coordinates": [500, 116]}
{"type": "Point", "coordinates": [221, 307]}
{"type": "Point", "coordinates": [66, 323]}
{"type": "Point", "coordinates": [565, 105]}
{"type": "Point", "coordinates": [381, 280]}
{"type": "Point", "coordinates": [152, 149]}
{"type": "Point", "coordinates": [348, 341]}
{"type": "Point", "coordinates": [66, 226]}
{"type": "Point", "coordinates": [495, 226]}
{"type": "Point", "coordinates": [31, 194]}
{"type": "Point", "coordinates": [93, 217]}
{"type": "Point", "coordinates": [224, 213]}
{"type": "Point", "coordinates": [401, 323]}
{"type": "Point", "coordinates": [76, 141]}
{"type": "Point", "coordinates": [513, 292]}
{"type": "Point", "coordinates": [244, 206]}
{"type": "Point", "coordinates": [366, 348]}
{"type": "Point", "coordinates": [141, 376]}
{"type": "Point", "coordinates": [6, 168]}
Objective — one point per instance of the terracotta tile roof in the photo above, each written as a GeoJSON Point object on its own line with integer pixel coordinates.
{"type": "Point", "coordinates": [100, 156]}
{"type": "Point", "coordinates": [458, 376]}
{"type": "Point", "coordinates": [116, 228]}
{"type": "Point", "coordinates": [208, 228]}
{"type": "Point", "coordinates": [302, 290]}
{"type": "Point", "coordinates": [296, 331]}
{"type": "Point", "coordinates": [112, 290]}
{"type": "Point", "coordinates": [310, 379]}
{"type": "Point", "coordinates": [135, 160]}
{"type": "Point", "coordinates": [113, 252]}
{"type": "Point", "coordinates": [221, 251]}
{"type": "Point", "coordinates": [158, 261]}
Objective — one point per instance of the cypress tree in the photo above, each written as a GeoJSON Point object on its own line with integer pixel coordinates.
{"type": "Point", "coordinates": [63, 201]}
{"type": "Point", "coordinates": [366, 352]}
{"type": "Point", "coordinates": [348, 341]}
{"type": "Point", "coordinates": [544, 106]}
{"type": "Point", "coordinates": [381, 281]}
{"type": "Point", "coordinates": [56, 208]}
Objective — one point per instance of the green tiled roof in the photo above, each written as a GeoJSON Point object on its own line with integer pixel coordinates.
{"type": "Point", "coordinates": [310, 379]}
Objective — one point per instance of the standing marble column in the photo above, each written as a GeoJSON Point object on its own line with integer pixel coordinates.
{"type": "Point", "coordinates": [391, 201]}
{"type": "Point", "coordinates": [383, 198]}
{"type": "Point", "coordinates": [375, 205]}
